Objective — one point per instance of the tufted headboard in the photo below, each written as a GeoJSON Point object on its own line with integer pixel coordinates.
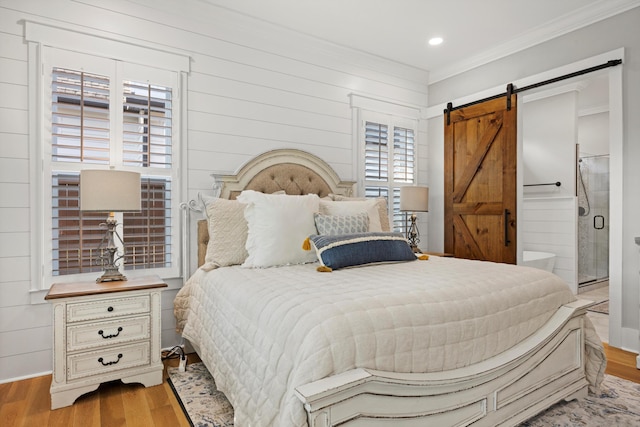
{"type": "Point", "coordinates": [295, 172]}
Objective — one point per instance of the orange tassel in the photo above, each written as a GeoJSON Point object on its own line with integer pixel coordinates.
{"type": "Point", "coordinates": [423, 257]}
{"type": "Point", "coordinates": [306, 245]}
{"type": "Point", "coordinates": [324, 269]}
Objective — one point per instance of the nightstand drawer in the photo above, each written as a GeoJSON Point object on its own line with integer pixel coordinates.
{"type": "Point", "coordinates": [108, 360]}
{"type": "Point", "coordinates": [92, 335]}
{"type": "Point", "coordinates": [105, 309]}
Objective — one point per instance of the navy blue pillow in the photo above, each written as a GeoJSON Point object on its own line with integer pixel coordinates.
{"type": "Point", "coordinates": [348, 250]}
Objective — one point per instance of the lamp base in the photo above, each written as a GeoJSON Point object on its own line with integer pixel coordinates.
{"type": "Point", "coordinates": [415, 249]}
{"type": "Point", "coordinates": [413, 234]}
{"type": "Point", "coordinates": [111, 275]}
{"type": "Point", "coordinates": [109, 253]}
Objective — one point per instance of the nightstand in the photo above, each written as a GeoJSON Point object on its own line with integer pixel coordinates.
{"type": "Point", "coordinates": [104, 332]}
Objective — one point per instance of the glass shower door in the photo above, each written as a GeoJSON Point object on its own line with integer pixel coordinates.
{"type": "Point", "coordinates": [593, 219]}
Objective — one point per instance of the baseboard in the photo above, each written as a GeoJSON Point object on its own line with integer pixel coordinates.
{"type": "Point", "coordinates": [25, 377]}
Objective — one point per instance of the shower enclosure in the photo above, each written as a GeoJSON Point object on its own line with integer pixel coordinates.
{"type": "Point", "coordinates": [593, 219]}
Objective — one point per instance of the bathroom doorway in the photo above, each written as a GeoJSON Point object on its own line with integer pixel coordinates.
{"type": "Point", "coordinates": [593, 219]}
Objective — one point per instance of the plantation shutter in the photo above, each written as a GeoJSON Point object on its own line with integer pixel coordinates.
{"type": "Point", "coordinates": [147, 130]}
{"type": "Point", "coordinates": [403, 154]}
{"type": "Point", "coordinates": [376, 151]}
{"type": "Point", "coordinates": [148, 232]}
{"type": "Point", "coordinates": [378, 182]}
{"type": "Point", "coordinates": [76, 235]}
{"type": "Point", "coordinates": [80, 117]}
{"type": "Point", "coordinates": [146, 125]}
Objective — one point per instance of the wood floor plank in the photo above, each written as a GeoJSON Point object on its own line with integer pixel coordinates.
{"type": "Point", "coordinates": [63, 417]}
{"type": "Point", "coordinates": [38, 406]}
{"type": "Point", "coordinates": [157, 397]}
{"type": "Point", "coordinates": [86, 410]}
{"type": "Point", "coordinates": [4, 393]}
{"type": "Point", "coordinates": [177, 409]}
{"type": "Point", "coordinates": [111, 405]}
{"type": "Point", "coordinates": [136, 408]}
{"type": "Point", "coordinates": [622, 364]}
{"type": "Point", "coordinates": [166, 417]}
{"type": "Point", "coordinates": [18, 390]}
{"type": "Point", "coordinates": [14, 409]}
{"type": "Point", "coordinates": [13, 413]}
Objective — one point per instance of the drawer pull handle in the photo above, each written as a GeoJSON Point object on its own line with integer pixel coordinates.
{"type": "Point", "coordinates": [109, 309]}
{"type": "Point", "coordinates": [101, 360]}
{"type": "Point", "coordinates": [101, 333]}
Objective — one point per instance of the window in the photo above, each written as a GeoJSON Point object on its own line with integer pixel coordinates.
{"type": "Point", "coordinates": [389, 160]}
{"type": "Point", "coordinates": [104, 113]}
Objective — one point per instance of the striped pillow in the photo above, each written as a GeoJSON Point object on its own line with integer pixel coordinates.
{"type": "Point", "coordinates": [350, 250]}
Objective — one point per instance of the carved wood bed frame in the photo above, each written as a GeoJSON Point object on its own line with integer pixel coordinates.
{"type": "Point", "coordinates": [505, 390]}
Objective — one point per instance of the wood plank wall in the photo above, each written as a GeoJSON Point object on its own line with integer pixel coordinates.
{"type": "Point", "coordinates": [253, 87]}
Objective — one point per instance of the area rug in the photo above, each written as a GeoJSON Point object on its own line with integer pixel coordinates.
{"type": "Point", "coordinates": [602, 307]}
{"type": "Point", "coordinates": [616, 404]}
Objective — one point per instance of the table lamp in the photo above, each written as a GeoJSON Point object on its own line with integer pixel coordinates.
{"type": "Point", "coordinates": [110, 191]}
{"type": "Point", "coordinates": [414, 199]}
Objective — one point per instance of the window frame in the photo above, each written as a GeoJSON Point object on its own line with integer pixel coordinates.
{"type": "Point", "coordinates": [391, 185]}
{"type": "Point", "coordinates": [41, 40]}
{"type": "Point", "coordinates": [366, 106]}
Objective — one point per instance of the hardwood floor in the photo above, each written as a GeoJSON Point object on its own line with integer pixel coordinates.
{"type": "Point", "coordinates": [621, 364]}
{"type": "Point", "coordinates": [26, 403]}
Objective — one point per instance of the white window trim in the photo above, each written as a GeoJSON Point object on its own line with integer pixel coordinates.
{"type": "Point", "coordinates": [363, 106]}
{"type": "Point", "coordinates": [39, 36]}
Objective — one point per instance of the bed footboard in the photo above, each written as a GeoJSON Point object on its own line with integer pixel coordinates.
{"type": "Point", "coordinates": [505, 390]}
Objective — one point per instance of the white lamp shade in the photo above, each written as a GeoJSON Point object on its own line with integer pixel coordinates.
{"type": "Point", "coordinates": [414, 199]}
{"type": "Point", "coordinates": [109, 191]}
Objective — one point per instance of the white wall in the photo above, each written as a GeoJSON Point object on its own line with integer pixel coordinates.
{"type": "Point", "coordinates": [593, 134]}
{"type": "Point", "coordinates": [252, 88]}
{"type": "Point", "coordinates": [548, 218]}
{"type": "Point", "coordinates": [604, 36]}
{"type": "Point", "coordinates": [549, 138]}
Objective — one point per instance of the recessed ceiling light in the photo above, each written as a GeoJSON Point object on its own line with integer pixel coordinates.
{"type": "Point", "coordinates": [435, 41]}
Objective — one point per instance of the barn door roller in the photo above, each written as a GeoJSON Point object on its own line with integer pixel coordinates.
{"type": "Point", "coordinates": [509, 93]}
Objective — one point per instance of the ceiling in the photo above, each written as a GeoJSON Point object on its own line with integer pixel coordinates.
{"type": "Point", "coordinates": [474, 31]}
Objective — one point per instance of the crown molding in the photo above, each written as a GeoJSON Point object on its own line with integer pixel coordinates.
{"type": "Point", "coordinates": [583, 17]}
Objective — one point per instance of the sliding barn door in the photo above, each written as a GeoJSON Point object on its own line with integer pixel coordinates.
{"type": "Point", "coordinates": [480, 151]}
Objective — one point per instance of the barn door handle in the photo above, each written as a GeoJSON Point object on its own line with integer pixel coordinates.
{"type": "Point", "coordinates": [595, 218]}
{"type": "Point", "coordinates": [506, 227]}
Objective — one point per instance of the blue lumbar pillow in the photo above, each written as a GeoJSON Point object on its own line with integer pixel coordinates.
{"type": "Point", "coordinates": [348, 250]}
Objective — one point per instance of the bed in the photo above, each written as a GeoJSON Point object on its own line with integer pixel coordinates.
{"type": "Point", "coordinates": [437, 341]}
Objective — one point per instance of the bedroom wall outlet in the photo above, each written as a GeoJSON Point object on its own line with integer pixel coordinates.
{"type": "Point", "coordinates": [183, 363]}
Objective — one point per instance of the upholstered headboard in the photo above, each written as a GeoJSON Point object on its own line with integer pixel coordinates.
{"type": "Point", "coordinates": [293, 171]}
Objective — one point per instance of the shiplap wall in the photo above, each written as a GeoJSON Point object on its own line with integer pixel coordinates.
{"type": "Point", "coordinates": [549, 224]}
{"type": "Point", "coordinates": [252, 87]}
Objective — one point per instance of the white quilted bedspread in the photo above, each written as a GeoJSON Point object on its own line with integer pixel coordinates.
{"type": "Point", "coordinates": [263, 332]}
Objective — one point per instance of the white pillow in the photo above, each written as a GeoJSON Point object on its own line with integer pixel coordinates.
{"type": "Point", "coordinates": [227, 232]}
{"type": "Point", "coordinates": [278, 225]}
{"type": "Point", "coordinates": [382, 207]}
{"type": "Point", "coordinates": [370, 207]}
